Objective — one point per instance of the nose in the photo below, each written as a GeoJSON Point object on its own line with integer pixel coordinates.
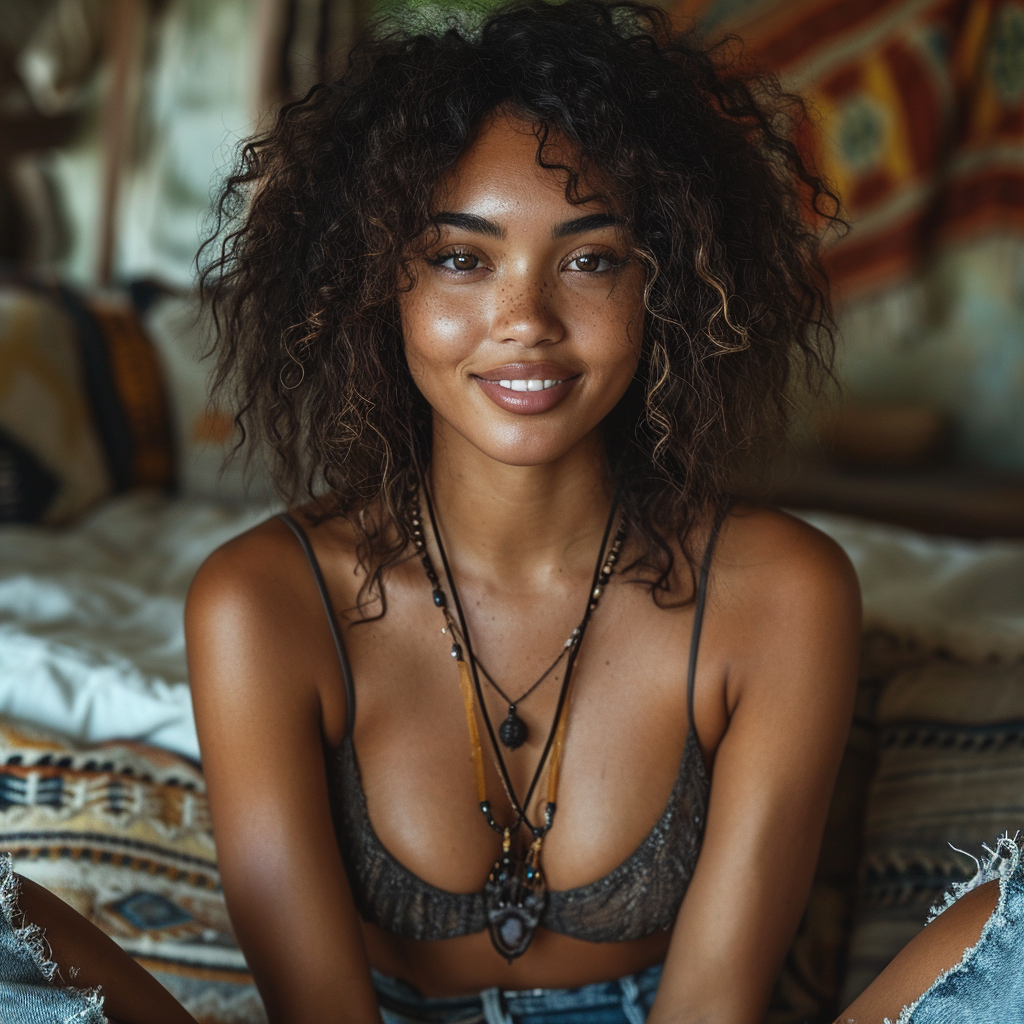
{"type": "Point", "coordinates": [525, 313]}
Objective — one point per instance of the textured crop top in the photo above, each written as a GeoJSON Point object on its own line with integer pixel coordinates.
{"type": "Point", "coordinates": [636, 898]}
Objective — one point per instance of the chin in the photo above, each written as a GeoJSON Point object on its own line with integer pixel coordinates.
{"type": "Point", "coordinates": [526, 446]}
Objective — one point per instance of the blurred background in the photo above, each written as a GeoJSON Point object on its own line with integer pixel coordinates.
{"type": "Point", "coordinates": [118, 117]}
{"type": "Point", "coordinates": [117, 120]}
{"type": "Point", "coordinates": [917, 119]}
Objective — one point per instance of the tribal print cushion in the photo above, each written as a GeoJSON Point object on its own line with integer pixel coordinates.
{"type": "Point", "coordinates": [121, 831]}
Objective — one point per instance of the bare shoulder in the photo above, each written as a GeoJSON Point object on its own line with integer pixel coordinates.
{"type": "Point", "coordinates": [254, 604]}
{"type": "Point", "coordinates": [265, 569]}
{"type": "Point", "coordinates": [782, 565]}
{"type": "Point", "coordinates": [243, 581]}
{"type": "Point", "coordinates": [789, 597]}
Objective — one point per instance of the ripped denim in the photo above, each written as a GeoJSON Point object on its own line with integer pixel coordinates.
{"type": "Point", "coordinates": [625, 1001]}
{"type": "Point", "coordinates": [987, 986]}
{"type": "Point", "coordinates": [29, 993]}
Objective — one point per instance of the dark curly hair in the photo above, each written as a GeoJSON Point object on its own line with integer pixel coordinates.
{"type": "Point", "coordinates": [316, 227]}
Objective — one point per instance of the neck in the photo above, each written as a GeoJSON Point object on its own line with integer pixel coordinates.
{"type": "Point", "coordinates": [520, 523]}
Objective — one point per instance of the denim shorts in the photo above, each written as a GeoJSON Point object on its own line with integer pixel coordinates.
{"type": "Point", "coordinates": [985, 987]}
{"type": "Point", "coordinates": [624, 1001]}
{"type": "Point", "coordinates": [29, 993]}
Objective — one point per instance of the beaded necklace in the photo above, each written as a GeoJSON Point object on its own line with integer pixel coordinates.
{"type": "Point", "coordinates": [515, 893]}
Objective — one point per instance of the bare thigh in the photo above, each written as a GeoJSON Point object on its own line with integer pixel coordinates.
{"type": "Point", "coordinates": [931, 953]}
{"type": "Point", "coordinates": [131, 994]}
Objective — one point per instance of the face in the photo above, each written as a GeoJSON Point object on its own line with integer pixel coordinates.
{"type": "Point", "coordinates": [522, 328]}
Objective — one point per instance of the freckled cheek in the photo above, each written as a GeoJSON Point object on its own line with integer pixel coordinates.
{"type": "Point", "coordinates": [610, 340]}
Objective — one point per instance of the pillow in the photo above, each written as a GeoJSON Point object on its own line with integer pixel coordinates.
{"type": "Point", "coordinates": [204, 434]}
{"type": "Point", "coordinates": [121, 831]}
{"type": "Point", "coordinates": [82, 409]}
{"type": "Point", "coordinates": [950, 777]}
{"type": "Point", "coordinates": [141, 434]}
{"type": "Point", "coordinates": [52, 462]}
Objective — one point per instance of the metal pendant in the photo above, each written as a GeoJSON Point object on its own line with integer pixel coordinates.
{"type": "Point", "coordinates": [512, 732]}
{"type": "Point", "coordinates": [515, 896]}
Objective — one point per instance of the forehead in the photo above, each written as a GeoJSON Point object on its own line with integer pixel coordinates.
{"type": "Point", "coordinates": [498, 176]}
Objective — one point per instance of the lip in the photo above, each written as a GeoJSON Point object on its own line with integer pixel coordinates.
{"type": "Point", "coordinates": [526, 402]}
{"type": "Point", "coordinates": [527, 371]}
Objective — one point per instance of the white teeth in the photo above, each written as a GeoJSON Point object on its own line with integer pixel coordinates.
{"type": "Point", "coordinates": [527, 385]}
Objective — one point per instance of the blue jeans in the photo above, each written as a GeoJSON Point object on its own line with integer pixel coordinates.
{"type": "Point", "coordinates": [624, 1001]}
{"type": "Point", "coordinates": [987, 986]}
{"type": "Point", "coordinates": [28, 992]}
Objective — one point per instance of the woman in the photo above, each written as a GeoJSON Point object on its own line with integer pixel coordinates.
{"type": "Point", "coordinates": [515, 714]}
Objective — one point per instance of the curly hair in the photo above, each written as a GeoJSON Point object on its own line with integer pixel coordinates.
{"type": "Point", "coordinates": [317, 223]}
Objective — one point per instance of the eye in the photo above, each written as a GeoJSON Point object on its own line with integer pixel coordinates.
{"type": "Point", "coordinates": [591, 263]}
{"type": "Point", "coordinates": [456, 260]}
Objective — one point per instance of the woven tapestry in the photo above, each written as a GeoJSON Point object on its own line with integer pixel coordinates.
{"type": "Point", "coordinates": [919, 111]}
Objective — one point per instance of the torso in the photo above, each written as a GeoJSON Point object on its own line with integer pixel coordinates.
{"type": "Point", "coordinates": [628, 731]}
{"type": "Point", "coordinates": [773, 690]}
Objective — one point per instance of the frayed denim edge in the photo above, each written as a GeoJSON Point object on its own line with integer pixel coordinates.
{"type": "Point", "coordinates": [32, 937]}
{"type": "Point", "coordinates": [1002, 863]}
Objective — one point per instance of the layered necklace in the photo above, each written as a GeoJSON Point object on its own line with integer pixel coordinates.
{"type": "Point", "coordinates": [515, 893]}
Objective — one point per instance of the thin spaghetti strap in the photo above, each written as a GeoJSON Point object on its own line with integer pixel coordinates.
{"type": "Point", "coordinates": [698, 615]}
{"type": "Point", "coordinates": [332, 621]}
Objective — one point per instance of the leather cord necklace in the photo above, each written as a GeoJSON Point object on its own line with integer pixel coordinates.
{"type": "Point", "coordinates": [513, 732]}
{"type": "Point", "coordinates": [515, 893]}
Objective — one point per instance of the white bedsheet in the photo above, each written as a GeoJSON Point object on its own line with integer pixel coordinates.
{"type": "Point", "coordinates": [91, 640]}
{"type": "Point", "coordinates": [91, 636]}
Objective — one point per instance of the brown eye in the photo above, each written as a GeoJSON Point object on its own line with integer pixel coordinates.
{"type": "Point", "coordinates": [457, 261]}
{"type": "Point", "coordinates": [590, 263]}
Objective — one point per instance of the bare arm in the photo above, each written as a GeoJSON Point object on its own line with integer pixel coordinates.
{"type": "Point", "coordinates": [258, 711]}
{"type": "Point", "coordinates": [790, 597]}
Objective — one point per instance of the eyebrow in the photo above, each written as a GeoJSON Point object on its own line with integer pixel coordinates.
{"type": "Point", "coordinates": [482, 226]}
{"type": "Point", "coordinates": [592, 222]}
{"type": "Point", "coordinates": [470, 222]}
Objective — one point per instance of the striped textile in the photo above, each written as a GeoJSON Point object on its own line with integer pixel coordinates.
{"type": "Point", "coordinates": [950, 777]}
{"type": "Point", "coordinates": [122, 832]}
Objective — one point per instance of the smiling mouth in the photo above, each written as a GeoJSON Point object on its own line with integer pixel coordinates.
{"type": "Point", "coordinates": [513, 387]}
{"type": "Point", "coordinates": [528, 385]}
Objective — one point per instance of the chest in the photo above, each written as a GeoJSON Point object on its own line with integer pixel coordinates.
{"type": "Point", "coordinates": [627, 727]}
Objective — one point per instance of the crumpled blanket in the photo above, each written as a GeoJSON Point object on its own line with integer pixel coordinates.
{"type": "Point", "coordinates": [91, 636]}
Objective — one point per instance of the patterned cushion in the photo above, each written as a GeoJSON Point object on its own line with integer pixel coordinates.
{"type": "Point", "coordinates": [205, 435]}
{"type": "Point", "coordinates": [950, 777]}
{"type": "Point", "coordinates": [121, 831]}
{"type": "Point", "coordinates": [82, 409]}
{"type": "Point", "coordinates": [52, 463]}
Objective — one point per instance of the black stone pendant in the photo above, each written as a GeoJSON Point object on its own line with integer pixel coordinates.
{"type": "Point", "coordinates": [512, 731]}
{"type": "Point", "coordinates": [515, 896]}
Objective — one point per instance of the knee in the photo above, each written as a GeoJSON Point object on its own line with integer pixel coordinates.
{"type": "Point", "coordinates": [940, 946]}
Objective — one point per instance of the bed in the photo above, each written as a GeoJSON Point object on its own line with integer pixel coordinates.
{"type": "Point", "coordinates": [101, 791]}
